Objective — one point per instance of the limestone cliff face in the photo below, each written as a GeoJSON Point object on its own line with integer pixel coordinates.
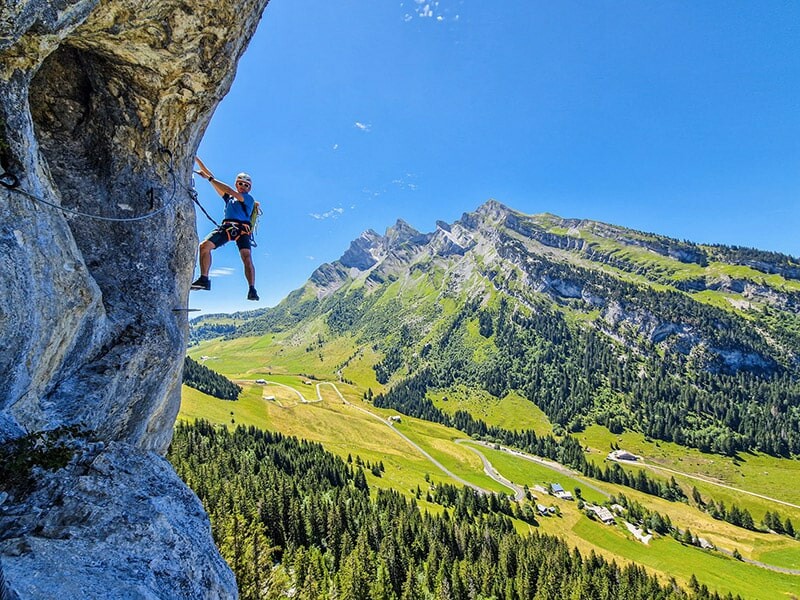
{"type": "Point", "coordinates": [102, 106]}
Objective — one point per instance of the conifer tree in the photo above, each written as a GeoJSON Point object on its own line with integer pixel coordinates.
{"type": "Point", "coordinates": [381, 586]}
{"type": "Point", "coordinates": [411, 587]}
{"type": "Point", "coordinates": [256, 562]}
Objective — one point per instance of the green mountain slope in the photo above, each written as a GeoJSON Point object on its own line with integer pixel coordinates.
{"type": "Point", "coordinates": [591, 322]}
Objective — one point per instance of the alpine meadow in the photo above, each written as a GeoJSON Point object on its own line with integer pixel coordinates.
{"type": "Point", "coordinates": [512, 406]}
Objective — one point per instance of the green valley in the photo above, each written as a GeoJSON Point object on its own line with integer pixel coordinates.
{"type": "Point", "coordinates": [506, 355]}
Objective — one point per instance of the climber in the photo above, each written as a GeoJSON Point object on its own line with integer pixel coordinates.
{"type": "Point", "coordinates": [236, 226]}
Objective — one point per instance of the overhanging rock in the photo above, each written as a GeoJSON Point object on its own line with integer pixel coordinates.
{"type": "Point", "coordinates": [102, 106]}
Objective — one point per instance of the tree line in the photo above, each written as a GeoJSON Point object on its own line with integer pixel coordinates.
{"type": "Point", "coordinates": [209, 382]}
{"type": "Point", "coordinates": [209, 331]}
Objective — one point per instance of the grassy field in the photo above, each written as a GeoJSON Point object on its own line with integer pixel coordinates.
{"type": "Point", "coordinates": [665, 555]}
{"type": "Point", "coordinates": [786, 557]}
{"type": "Point", "coordinates": [260, 358]}
{"type": "Point", "coordinates": [525, 472]}
{"type": "Point", "coordinates": [759, 473]}
{"type": "Point", "coordinates": [344, 430]}
{"type": "Point", "coordinates": [437, 441]}
{"type": "Point", "coordinates": [511, 412]}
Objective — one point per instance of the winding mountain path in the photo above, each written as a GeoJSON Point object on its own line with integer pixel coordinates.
{"type": "Point", "coordinates": [302, 399]}
{"type": "Point", "coordinates": [488, 468]}
{"type": "Point", "coordinates": [416, 446]}
{"type": "Point", "coordinates": [557, 467]}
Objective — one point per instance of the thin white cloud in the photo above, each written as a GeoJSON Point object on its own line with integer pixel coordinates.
{"type": "Point", "coordinates": [430, 9]}
{"type": "Point", "coordinates": [373, 193]}
{"type": "Point", "coordinates": [309, 257]}
{"type": "Point", "coordinates": [363, 126]}
{"type": "Point", "coordinates": [406, 182]}
{"type": "Point", "coordinates": [333, 213]}
{"type": "Point", "coordinates": [221, 272]}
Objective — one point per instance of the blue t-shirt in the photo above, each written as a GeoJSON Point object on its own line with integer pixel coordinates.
{"type": "Point", "coordinates": [238, 211]}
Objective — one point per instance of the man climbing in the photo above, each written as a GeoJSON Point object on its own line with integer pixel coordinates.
{"type": "Point", "coordinates": [236, 226]}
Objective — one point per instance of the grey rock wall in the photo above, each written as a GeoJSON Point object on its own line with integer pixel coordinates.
{"type": "Point", "coordinates": [102, 106]}
{"type": "Point", "coordinates": [112, 524]}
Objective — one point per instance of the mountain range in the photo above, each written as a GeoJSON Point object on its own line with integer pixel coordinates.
{"type": "Point", "coordinates": [593, 323]}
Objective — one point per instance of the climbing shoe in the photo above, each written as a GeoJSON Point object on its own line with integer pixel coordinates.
{"type": "Point", "coordinates": [201, 283]}
{"type": "Point", "coordinates": [252, 294]}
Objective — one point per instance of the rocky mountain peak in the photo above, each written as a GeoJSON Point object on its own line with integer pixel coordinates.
{"type": "Point", "coordinates": [400, 233]}
{"type": "Point", "coordinates": [443, 226]}
{"type": "Point", "coordinates": [494, 210]}
{"type": "Point", "coordinates": [490, 213]}
{"type": "Point", "coordinates": [363, 252]}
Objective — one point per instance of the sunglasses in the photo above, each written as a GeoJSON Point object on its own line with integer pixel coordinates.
{"type": "Point", "coordinates": [242, 183]}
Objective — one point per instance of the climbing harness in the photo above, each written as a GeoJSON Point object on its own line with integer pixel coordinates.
{"type": "Point", "coordinates": [234, 230]}
{"type": "Point", "coordinates": [11, 182]}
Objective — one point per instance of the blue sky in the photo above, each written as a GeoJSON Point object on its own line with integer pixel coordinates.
{"type": "Point", "coordinates": [678, 118]}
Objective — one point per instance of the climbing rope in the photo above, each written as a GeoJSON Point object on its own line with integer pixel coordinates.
{"type": "Point", "coordinates": [193, 195]}
{"type": "Point", "coordinates": [11, 182]}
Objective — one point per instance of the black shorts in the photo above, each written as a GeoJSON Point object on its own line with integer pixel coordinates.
{"type": "Point", "coordinates": [231, 231]}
